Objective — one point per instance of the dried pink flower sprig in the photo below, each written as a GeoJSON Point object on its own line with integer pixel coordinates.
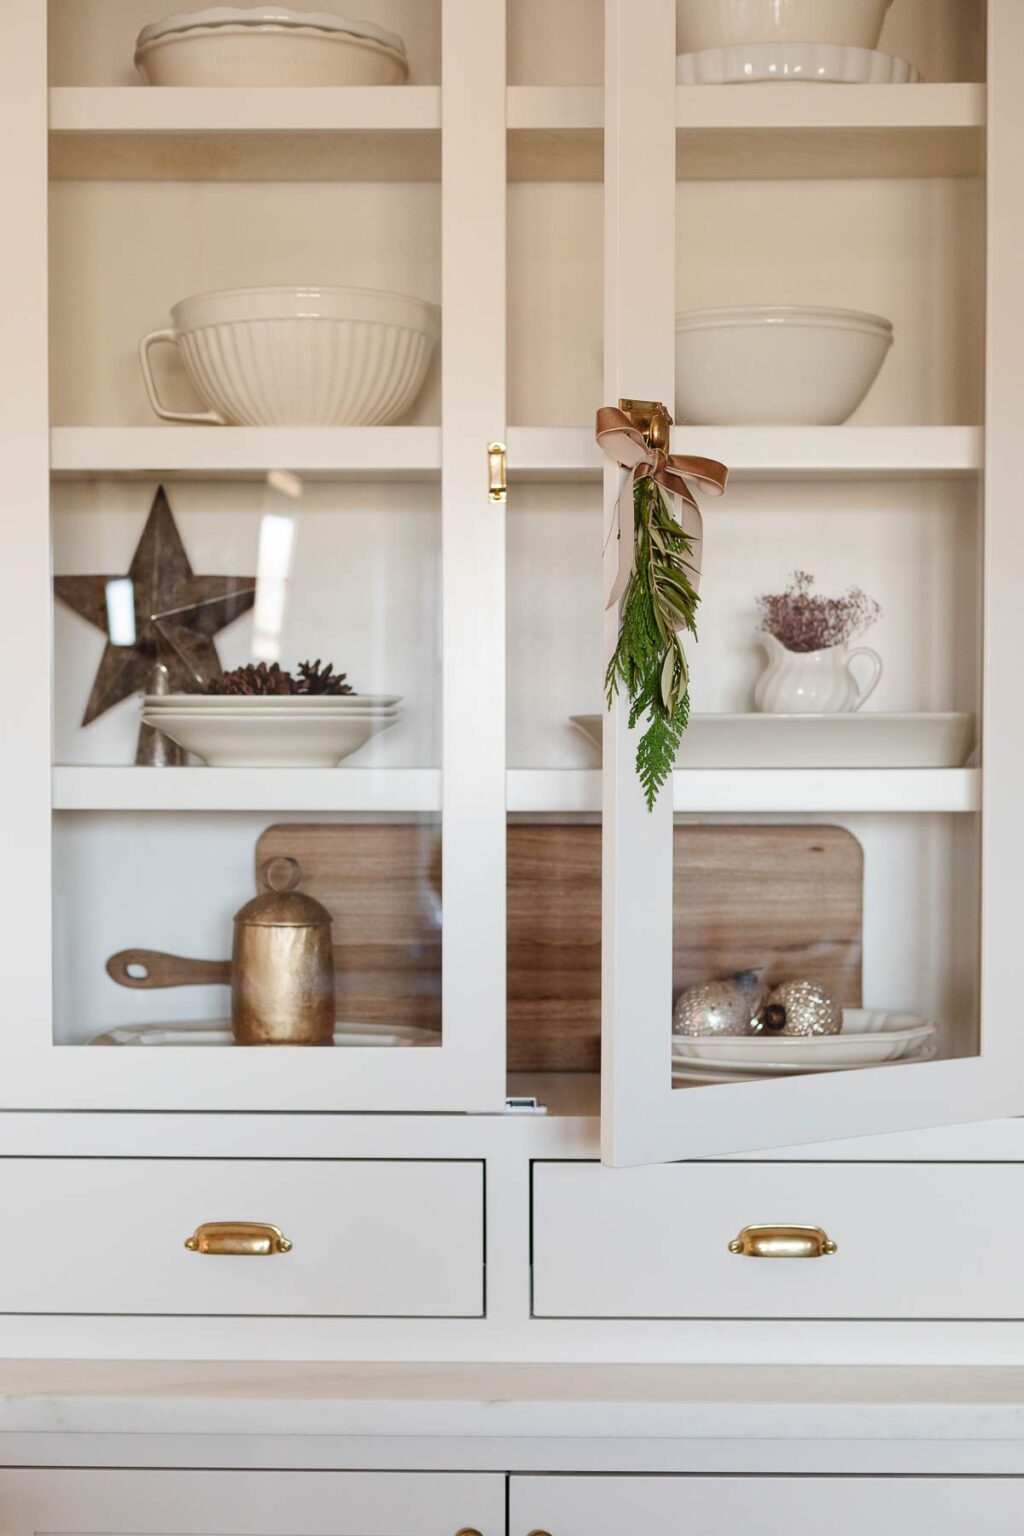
{"type": "Point", "coordinates": [802, 620]}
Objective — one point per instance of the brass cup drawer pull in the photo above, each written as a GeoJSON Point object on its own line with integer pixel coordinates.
{"type": "Point", "coordinates": [242, 1239]}
{"type": "Point", "coordinates": [783, 1243]}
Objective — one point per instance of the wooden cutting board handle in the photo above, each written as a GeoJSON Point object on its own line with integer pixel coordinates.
{"type": "Point", "coordinates": [159, 970]}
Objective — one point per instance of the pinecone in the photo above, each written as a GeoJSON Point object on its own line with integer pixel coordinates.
{"type": "Point", "coordinates": [312, 680]}
{"type": "Point", "coordinates": [251, 679]}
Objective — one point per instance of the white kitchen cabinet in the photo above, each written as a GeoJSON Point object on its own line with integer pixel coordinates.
{"type": "Point", "coordinates": [713, 1506]}
{"type": "Point", "coordinates": [479, 185]}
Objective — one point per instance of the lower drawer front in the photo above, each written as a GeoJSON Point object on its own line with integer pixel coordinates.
{"type": "Point", "coordinates": [369, 1239]}
{"type": "Point", "coordinates": [914, 1240]}
{"type": "Point", "coordinates": [770, 1506]}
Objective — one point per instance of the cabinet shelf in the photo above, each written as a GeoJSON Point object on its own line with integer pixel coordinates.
{"type": "Point", "coordinates": [555, 133]}
{"type": "Point", "coordinates": [538, 791]}
{"type": "Point", "coordinates": [535, 453]}
{"type": "Point", "coordinates": [781, 132]}
{"type": "Point", "coordinates": [370, 133]}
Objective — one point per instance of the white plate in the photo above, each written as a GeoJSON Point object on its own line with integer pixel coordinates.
{"type": "Point", "coordinates": [747, 63]}
{"type": "Point", "coordinates": [218, 1032]}
{"type": "Point", "coordinates": [271, 714]}
{"type": "Point", "coordinates": [271, 741]}
{"type": "Point", "coordinates": [294, 702]}
{"type": "Point", "coordinates": [869, 1035]}
{"type": "Point", "coordinates": [863, 740]}
{"type": "Point", "coordinates": [696, 1072]}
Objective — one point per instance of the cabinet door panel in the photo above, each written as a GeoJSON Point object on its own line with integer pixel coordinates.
{"type": "Point", "coordinates": [116, 1503]}
{"type": "Point", "coordinates": [772, 1506]}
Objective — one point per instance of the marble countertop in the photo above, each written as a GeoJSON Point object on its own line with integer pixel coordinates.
{"type": "Point", "coordinates": [508, 1400]}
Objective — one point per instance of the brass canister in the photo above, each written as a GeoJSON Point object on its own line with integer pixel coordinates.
{"type": "Point", "coordinates": [282, 965]}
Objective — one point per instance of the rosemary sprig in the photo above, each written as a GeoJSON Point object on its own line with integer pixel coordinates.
{"type": "Point", "coordinates": [658, 606]}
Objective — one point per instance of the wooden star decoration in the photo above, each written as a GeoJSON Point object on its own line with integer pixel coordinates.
{"type": "Point", "coordinates": [177, 614]}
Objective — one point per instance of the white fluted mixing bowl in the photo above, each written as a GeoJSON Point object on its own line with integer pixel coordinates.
{"type": "Point", "coordinates": [299, 357]}
{"type": "Point", "coordinates": [723, 23]}
{"type": "Point", "coordinates": [776, 365]}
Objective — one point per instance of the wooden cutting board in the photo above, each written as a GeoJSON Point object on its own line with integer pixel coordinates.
{"type": "Point", "coordinates": [788, 899]}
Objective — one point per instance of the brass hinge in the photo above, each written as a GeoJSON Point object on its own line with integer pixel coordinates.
{"type": "Point", "coordinates": [651, 418]}
{"type": "Point", "coordinates": [497, 472]}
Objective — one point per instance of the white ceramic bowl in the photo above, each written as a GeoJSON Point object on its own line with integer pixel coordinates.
{"type": "Point", "coordinates": [273, 740]}
{"type": "Point", "coordinates": [722, 23]}
{"type": "Point", "coordinates": [268, 45]}
{"type": "Point", "coordinates": [299, 357]}
{"type": "Point", "coordinates": [774, 365]}
{"type": "Point", "coordinates": [809, 63]}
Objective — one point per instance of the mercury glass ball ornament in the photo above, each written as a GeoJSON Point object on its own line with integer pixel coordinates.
{"type": "Point", "coordinates": [718, 1007]}
{"type": "Point", "coordinates": [799, 1008]}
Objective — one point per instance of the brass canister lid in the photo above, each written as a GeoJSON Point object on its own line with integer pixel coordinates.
{"type": "Point", "coordinates": [281, 906]}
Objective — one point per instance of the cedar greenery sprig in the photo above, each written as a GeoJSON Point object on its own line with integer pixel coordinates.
{"type": "Point", "coordinates": [658, 605]}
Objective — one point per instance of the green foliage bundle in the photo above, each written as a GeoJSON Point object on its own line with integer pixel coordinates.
{"type": "Point", "coordinates": [658, 606]}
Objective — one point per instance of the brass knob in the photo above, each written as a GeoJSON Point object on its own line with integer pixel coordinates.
{"type": "Point", "coordinates": [239, 1239]}
{"type": "Point", "coordinates": [783, 1243]}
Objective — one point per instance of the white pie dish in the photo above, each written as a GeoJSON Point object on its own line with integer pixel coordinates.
{"type": "Point", "coordinates": [853, 740]}
{"type": "Point", "coordinates": [275, 739]}
{"type": "Point", "coordinates": [298, 356]}
{"type": "Point", "coordinates": [822, 63]}
{"type": "Point", "coordinates": [870, 1036]}
{"type": "Point", "coordinates": [268, 45]}
{"type": "Point", "coordinates": [776, 365]}
{"type": "Point", "coordinates": [722, 23]}
{"type": "Point", "coordinates": [702, 1072]}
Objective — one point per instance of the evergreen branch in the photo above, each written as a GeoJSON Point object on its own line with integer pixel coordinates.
{"type": "Point", "coordinates": [649, 660]}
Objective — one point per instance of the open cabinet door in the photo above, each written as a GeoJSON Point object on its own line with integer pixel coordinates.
{"type": "Point", "coordinates": [943, 847]}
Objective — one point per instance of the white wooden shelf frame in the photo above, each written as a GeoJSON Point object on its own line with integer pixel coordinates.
{"type": "Point", "coordinates": [534, 453]}
{"type": "Point", "coordinates": [536, 791]}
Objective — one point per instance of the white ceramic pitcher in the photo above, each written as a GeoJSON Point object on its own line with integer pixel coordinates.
{"type": "Point", "coordinates": [813, 682]}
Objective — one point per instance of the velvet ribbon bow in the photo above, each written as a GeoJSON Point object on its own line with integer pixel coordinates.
{"type": "Point", "coordinates": [622, 441]}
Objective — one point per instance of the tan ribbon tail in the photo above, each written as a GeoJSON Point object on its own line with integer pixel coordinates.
{"type": "Point", "coordinates": [674, 472]}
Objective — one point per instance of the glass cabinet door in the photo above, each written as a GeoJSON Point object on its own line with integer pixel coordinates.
{"type": "Point", "coordinates": [275, 777]}
{"type": "Point", "coordinates": [808, 936]}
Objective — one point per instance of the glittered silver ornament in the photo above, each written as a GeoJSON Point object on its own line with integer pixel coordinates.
{"type": "Point", "coordinates": [719, 1007]}
{"type": "Point", "coordinates": [799, 1008]}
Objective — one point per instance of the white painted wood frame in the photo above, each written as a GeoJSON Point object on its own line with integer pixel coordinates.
{"type": "Point", "coordinates": [643, 1119]}
{"type": "Point", "coordinates": [467, 1071]}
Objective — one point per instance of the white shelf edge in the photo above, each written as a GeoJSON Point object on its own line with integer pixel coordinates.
{"type": "Point", "coordinates": [94, 452]}
{"type": "Point", "coordinates": [753, 791]}
{"type": "Point", "coordinates": [768, 452]}
{"type": "Point", "coordinates": [864, 107]}
{"type": "Point", "coordinates": [247, 789]}
{"type": "Point", "coordinates": [534, 453]}
{"type": "Point", "coordinates": [239, 109]}
{"type": "Point", "coordinates": [540, 791]}
{"type": "Point", "coordinates": [562, 108]}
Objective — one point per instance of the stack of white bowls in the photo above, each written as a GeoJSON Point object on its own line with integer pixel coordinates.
{"type": "Point", "coordinates": [776, 364]}
{"type": "Point", "coordinates": [733, 42]}
{"type": "Point", "coordinates": [270, 730]}
{"type": "Point", "coordinates": [268, 45]}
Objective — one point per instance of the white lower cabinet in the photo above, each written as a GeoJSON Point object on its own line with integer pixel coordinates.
{"type": "Point", "coordinates": [913, 1241]}
{"type": "Point", "coordinates": [363, 1237]}
{"type": "Point", "coordinates": [158, 1503]}
{"type": "Point", "coordinates": [770, 1506]}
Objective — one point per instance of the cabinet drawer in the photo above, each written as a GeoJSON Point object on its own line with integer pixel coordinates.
{"type": "Point", "coordinates": [368, 1238]}
{"type": "Point", "coordinates": [795, 1506]}
{"type": "Point", "coordinates": [915, 1240]}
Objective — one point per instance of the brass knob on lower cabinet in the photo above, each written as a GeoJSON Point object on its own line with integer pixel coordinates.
{"type": "Point", "coordinates": [238, 1239]}
{"type": "Point", "coordinates": [783, 1243]}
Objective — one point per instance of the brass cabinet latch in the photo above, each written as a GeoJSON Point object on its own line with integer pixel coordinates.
{"type": "Point", "coordinates": [651, 418]}
{"type": "Point", "coordinates": [497, 472]}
